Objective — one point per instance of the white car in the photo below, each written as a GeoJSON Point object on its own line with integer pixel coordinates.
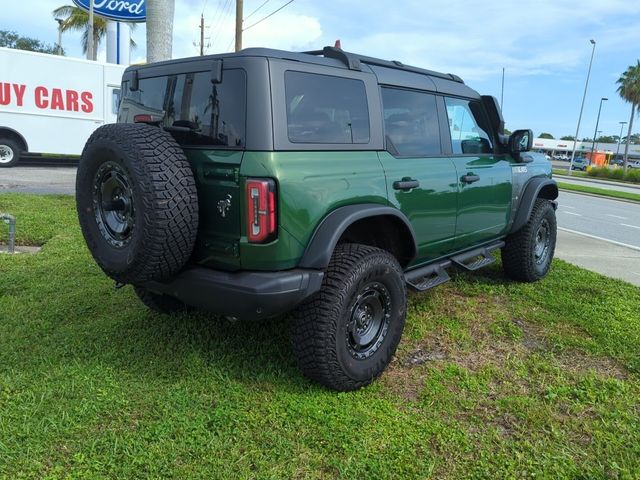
{"type": "Point", "coordinates": [635, 164]}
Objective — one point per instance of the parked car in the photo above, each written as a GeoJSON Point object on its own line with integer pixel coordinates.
{"type": "Point", "coordinates": [580, 163]}
{"type": "Point", "coordinates": [635, 164]}
{"type": "Point", "coordinates": [323, 184]}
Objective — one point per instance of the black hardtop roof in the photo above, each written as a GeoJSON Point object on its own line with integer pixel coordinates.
{"type": "Point", "coordinates": [330, 56]}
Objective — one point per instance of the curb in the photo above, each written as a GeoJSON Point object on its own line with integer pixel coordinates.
{"type": "Point", "coordinates": [600, 181]}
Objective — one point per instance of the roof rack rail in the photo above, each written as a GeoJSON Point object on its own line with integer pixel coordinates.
{"type": "Point", "coordinates": [353, 62]}
{"type": "Point", "coordinates": [349, 59]}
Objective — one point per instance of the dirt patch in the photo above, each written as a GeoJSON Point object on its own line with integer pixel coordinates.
{"type": "Point", "coordinates": [581, 363]}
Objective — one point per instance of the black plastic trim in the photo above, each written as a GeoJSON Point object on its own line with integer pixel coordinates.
{"type": "Point", "coordinates": [530, 193]}
{"type": "Point", "coordinates": [246, 295]}
{"type": "Point", "coordinates": [328, 233]}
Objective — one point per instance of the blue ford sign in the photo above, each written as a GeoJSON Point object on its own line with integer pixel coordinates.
{"type": "Point", "coordinates": [121, 10]}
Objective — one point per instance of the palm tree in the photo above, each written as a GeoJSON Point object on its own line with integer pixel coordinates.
{"type": "Point", "coordinates": [159, 29]}
{"type": "Point", "coordinates": [77, 19]}
{"type": "Point", "coordinates": [629, 90]}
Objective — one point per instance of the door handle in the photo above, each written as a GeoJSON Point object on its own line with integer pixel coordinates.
{"type": "Point", "coordinates": [406, 184]}
{"type": "Point", "coordinates": [470, 178]}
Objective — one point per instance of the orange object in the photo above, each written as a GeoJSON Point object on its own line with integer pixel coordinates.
{"type": "Point", "coordinates": [597, 159]}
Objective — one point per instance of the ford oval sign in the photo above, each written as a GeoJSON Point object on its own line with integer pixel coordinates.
{"type": "Point", "coordinates": [121, 10]}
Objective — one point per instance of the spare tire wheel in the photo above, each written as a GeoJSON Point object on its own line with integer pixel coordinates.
{"type": "Point", "coordinates": [137, 202]}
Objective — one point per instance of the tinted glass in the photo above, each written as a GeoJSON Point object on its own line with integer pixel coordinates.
{"type": "Point", "coordinates": [210, 113]}
{"type": "Point", "coordinates": [148, 99]}
{"type": "Point", "coordinates": [469, 130]}
{"type": "Point", "coordinates": [115, 100]}
{"type": "Point", "coordinates": [411, 122]}
{"type": "Point", "coordinates": [326, 109]}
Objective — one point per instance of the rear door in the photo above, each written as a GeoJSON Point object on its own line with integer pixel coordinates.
{"type": "Point", "coordinates": [421, 179]}
{"type": "Point", "coordinates": [483, 177]}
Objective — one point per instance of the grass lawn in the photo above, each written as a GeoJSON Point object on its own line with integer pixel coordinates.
{"type": "Point", "coordinates": [492, 379]}
{"type": "Point", "coordinates": [599, 191]}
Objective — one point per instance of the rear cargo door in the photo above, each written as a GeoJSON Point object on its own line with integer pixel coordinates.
{"type": "Point", "coordinates": [208, 120]}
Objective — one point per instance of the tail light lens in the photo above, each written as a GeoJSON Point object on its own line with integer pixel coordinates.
{"type": "Point", "coordinates": [261, 210]}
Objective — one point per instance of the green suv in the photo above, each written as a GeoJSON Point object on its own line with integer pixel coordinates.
{"type": "Point", "coordinates": [320, 184]}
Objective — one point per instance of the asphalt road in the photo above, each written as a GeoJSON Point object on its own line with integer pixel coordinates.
{"type": "Point", "coordinates": [603, 218]}
{"type": "Point", "coordinates": [42, 180]}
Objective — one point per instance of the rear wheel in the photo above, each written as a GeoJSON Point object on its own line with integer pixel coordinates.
{"type": "Point", "coordinates": [346, 335]}
{"type": "Point", "coordinates": [9, 152]}
{"type": "Point", "coordinates": [527, 253]}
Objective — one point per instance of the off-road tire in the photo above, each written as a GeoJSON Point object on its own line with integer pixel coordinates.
{"type": "Point", "coordinates": [161, 194]}
{"type": "Point", "coordinates": [519, 253]}
{"type": "Point", "coordinates": [10, 152]}
{"type": "Point", "coordinates": [320, 338]}
{"type": "Point", "coordinates": [158, 302]}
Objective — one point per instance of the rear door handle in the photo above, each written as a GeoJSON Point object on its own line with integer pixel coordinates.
{"type": "Point", "coordinates": [406, 184]}
{"type": "Point", "coordinates": [470, 178]}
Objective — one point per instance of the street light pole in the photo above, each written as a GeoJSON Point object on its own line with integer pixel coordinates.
{"type": "Point", "coordinates": [584, 95]}
{"type": "Point", "coordinates": [595, 134]}
{"type": "Point", "coordinates": [622, 124]}
{"type": "Point", "coordinates": [60, 23]}
{"type": "Point", "coordinates": [90, 34]}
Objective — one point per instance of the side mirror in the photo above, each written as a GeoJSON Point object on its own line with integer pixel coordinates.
{"type": "Point", "coordinates": [520, 141]}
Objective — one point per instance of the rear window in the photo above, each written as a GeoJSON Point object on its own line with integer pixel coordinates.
{"type": "Point", "coordinates": [192, 108]}
{"type": "Point", "coordinates": [326, 109]}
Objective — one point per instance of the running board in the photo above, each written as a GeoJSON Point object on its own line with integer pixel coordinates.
{"type": "Point", "coordinates": [477, 258]}
{"type": "Point", "coordinates": [429, 276]}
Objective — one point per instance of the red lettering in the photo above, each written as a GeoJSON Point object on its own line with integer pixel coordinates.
{"type": "Point", "coordinates": [41, 97]}
{"type": "Point", "coordinates": [19, 90]}
{"type": "Point", "coordinates": [57, 102]}
{"type": "Point", "coordinates": [87, 103]}
{"type": "Point", "coordinates": [72, 100]}
{"type": "Point", "coordinates": [5, 93]}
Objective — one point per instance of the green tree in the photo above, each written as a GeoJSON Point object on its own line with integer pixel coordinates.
{"type": "Point", "coordinates": [629, 90]}
{"type": "Point", "coordinates": [607, 139]}
{"type": "Point", "coordinates": [77, 19]}
{"type": "Point", "coordinates": [568, 137]}
{"type": "Point", "coordinates": [507, 131]}
{"type": "Point", "coordinates": [546, 135]}
{"type": "Point", "coordinates": [13, 40]}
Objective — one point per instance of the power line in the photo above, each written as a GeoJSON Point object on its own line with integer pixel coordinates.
{"type": "Point", "coordinates": [247, 17]}
{"type": "Point", "coordinates": [204, 5]}
{"type": "Point", "coordinates": [264, 18]}
{"type": "Point", "coordinates": [223, 15]}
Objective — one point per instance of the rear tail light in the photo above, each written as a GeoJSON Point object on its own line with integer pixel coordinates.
{"type": "Point", "coordinates": [261, 210]}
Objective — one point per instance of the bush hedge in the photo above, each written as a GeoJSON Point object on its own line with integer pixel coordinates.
{"type": "Point", "coordinates": [632, 175]}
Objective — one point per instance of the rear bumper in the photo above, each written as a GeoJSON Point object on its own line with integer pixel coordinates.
{"type": "Point", "coordinates": [241, 294]}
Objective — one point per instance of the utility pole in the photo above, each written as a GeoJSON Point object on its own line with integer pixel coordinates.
{"type": "Point", "coordinates": [239, 25]}
{"type": "Point", "coordinates": [201, 34]}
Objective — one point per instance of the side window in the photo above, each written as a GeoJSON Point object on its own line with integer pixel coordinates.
{"type": "Point", "coordinates": [411, 122]}
{"type": "Point", "coordinates": [325, 109]}
{"type": "Point", "coordinates": [468, 126]}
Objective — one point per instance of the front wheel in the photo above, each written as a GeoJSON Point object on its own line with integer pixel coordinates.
{"type": "Point", "coordinates": [9, 152]}
{"type": "Point", "coordinates": [345, 335]}
{"type": "Point", "coordinates": [527, 253]}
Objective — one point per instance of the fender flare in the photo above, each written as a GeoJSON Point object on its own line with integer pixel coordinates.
{"type": "Point", "coordinates": [530, 194]}
{"type": "Point", "coordinates": [328, 232]}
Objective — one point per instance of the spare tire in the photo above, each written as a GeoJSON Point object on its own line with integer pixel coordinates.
{"type": "Point", "coordinates": [137, 202]}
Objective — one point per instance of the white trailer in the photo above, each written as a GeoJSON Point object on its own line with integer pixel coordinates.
{"type": "Point", "coordinates": [49, 104]}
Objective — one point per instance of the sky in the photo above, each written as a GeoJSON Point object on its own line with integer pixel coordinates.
{"type": "Point", "coordinates": [543, 45]}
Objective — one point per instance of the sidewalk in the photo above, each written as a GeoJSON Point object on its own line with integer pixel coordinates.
{"type": "Point", "coordinates": [609, 259]}
{"type": "Point", "coordinates": [598, 181]}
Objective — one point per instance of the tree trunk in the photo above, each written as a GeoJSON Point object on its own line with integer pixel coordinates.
{"type": "Point", "coordinates": [159, 29]}
{"type": "Point", "coordinates": [626, 144]}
